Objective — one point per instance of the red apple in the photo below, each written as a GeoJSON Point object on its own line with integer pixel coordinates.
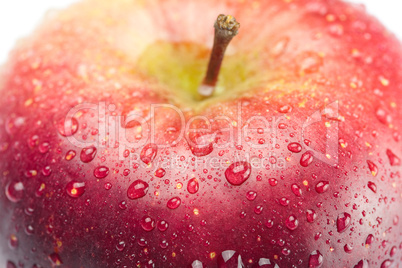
{"type": "Point", "coordinates": [110, 159]}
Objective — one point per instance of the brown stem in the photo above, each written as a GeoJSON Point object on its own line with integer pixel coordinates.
{"type": "Point", "coordinates": [226, 27]}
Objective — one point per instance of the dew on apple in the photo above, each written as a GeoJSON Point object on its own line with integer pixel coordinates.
{"type": "Point", "coordinates": [273, 181]}
{"type": "Point", "coordinates": [160, 172]}
{"type": "Point", "coordinates": [373, 168]}
{"type": "Point", "coordinates": [162, 225]}
{"type": "Point", "coordinates": [101, 172]}
{"type": "Point", "coordinates": [280, 46]}
{"type": "Point", "coordinates": [137, 189]}
{"type": "Point", "coordinates": [75, 189]}
{"type": "Point", "coordinates": [70, 155]}
{"type": "Point", "coordinates": [311, 215]}
{"type": "Point", "coordinates": [13, 241]}
{"type": "Point", "coordinates": [369, 240]}
{"type": "Point", "coordinates": [258, 209]}
{"type": "Point", "coordinates": [108, 186]}
{"type": "Point", "coordinates": [372, 186]}
{"type": "Point", "coordinates": [392, 252]}
{"type": "Point", "coordinates": [309, 62]}
{"type": "Point", "coordinates": [174, 202]}
{"type": "Point", "coordinates": [316, 259]}
{"type": "Point", "coordinates": [202, 144]}
{"type": "Point", "coordinates": [251, 195]}
{"type": "Point", "coordinates": [383, 116]}
{"type": "Point", "coordinates": [29, 230]}
{"type": "Point", "coordinates": [121, 245]}
{"type": "Point", "coordinates": [296, 190]}
{"type": "Point", "coordinates": [30, 173]}
{"type": "Point", "coordinates": [348, 248]}
{"type": "Point", "coordinates": [387, 263]}
{"type": "Point", "coordinates": [362, 264]}
{"type": "Point", "coordinates": [294, 147]}
{"type": "Point", "coordinates": [148, 153]}
{"type": "Point", "coordinates": [292, 222]}
{"type": "Point", "coordinates": [14, 124]}
{"type": "Point", "coordinates": [393, 159]}
{"type": "Point", "coordinates": [55, 259]}
{"type": "Point", "coordinates": [343, 221]}
{"type": "Point", "coordinates": [284, 201]}
{"type": "Point", "coordinates": [44, 147]}
{"type": "Point", "coordinates": [67, 128]}
{"type": "Point", "coordinates": [238, 172]}
{"type": "Point", "coordinates": [147, 223]}
{"type": "Point", "coordinates": [46, 171]}
{"type": "Point", "coordinates": [322, 187]}
{"type": "Point", "coordinates": [10, 264]}
{"type": "Point", "coordinates": [306, 159]}
{"type": "Point", "coordinates": [88, 154]}
{"type": "Point", "coordinates": [163, 244]}
{"type": "Point", "coordinates": [193, 186]}
{"type": "Point", "coordinates": [15, 191]}
{"type": "Point", "coordinates": [269, 224]}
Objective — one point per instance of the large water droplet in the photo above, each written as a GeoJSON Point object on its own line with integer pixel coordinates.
{"type": "Point", "coordinates": [148, 153]}
{"type": "Point", "coordinates": [306, 159]}
{"type": "Point", "coordinates": [10, 264]}
{"type": "Point", "coordinates": [292, 222]}
{"type": "Point", "coordinates": [67, 128]}
{"type": "Point", "coordinates": [372, 186]}
{"type": "Point", "coordinates": [192, 186]}
{"type": "Point", "coordinates": [160, 173]}
{"type": "Point", "coordinates": [369, 240]}
{"type": "Point", "coordinates": [70, 155]}
{"type": "Point", "coordinates": [202, 144]}
{"type": "Point", "coordinates": [55, 259]}
{"type": "Point", "coordinates": [311, 215]}
{"type": "Point", "coordinates": [322, 187]}
{"type": "Point", "coordinates": [387, 263]}
{"type": "Point", "coordinates": [101, 172]}
{"type": "Point", "coordinates": [237, 173]}
{"type": "Point", "coordinates": [15, 191]}
{"type": "Point", "coordinates": [174, 203]}
{"type": "Point", "coordinates": [348, 248]}
{"type": "Point", "coordinates": [343, 221]}
{"type": "Point", "coordinates": [373, 168]}
{"type": "Point", "coordinates": [316, 259]}
{"type": "Point", "coordinates": [137, 189]}
{"type": "Point", "coordinates": [88, 154]}
{"type": "Point", "coordinates": [296, 190]}
{"type": "Point", "coordinates": [147, 223]}
{"type": "Point", "coordinates": [163, 225]}
{"type": "Point", "coordinates": [273, 181]}
{"type": "Point", "coordinates": [362, 264]}
{"type": "Point", "coordinates": [393, 159]}
{"type": "Point", "coordinates": [294, 147]}
{"type": "Point", "coordinates": [75, 189]}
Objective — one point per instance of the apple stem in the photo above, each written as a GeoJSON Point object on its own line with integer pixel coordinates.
{"type": "Point", "coordinates": [226, 27]}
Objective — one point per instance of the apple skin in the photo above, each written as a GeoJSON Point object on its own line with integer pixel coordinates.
{"type": "Point", "coordinates": [292, 58]}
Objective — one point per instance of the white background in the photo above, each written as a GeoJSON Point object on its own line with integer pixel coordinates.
{"type": "Point", "coordinates": [19, 17]}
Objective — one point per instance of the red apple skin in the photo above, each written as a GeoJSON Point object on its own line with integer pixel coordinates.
{"type": "Point", "coordinates": [306, 54]}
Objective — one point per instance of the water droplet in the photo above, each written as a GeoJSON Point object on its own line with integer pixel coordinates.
{"type": "Point", "coordinates": [348, 248]}
{"type": "Point", "coordinates": [272, 182]}
{"type": "Point", "coordinates": [202, 144]}
{"type": "Point", "coordinates": [343, 221]}
{"type": "Point", "coordinates": [148, 153]}
{"type": "Point", "coordinates": [147, 223]}
{"type": "Point", "coordinates": [88, 154]}
{"type": "Point", "coordinates": [121, 245]}
{"type": "Point", "coordinates": [386, 264]}
{"type": "Point", "coordinates": [393, 159]}
{"type": "Point", "coordinates": [70, 155]}
{"type": "Point", "coordinates": [296, 190]}
{"type": "Point", "coordinates": [75, 189]}
{"type": "Point", "coordinates": [392, 252]}
{"type": "Point", "coordinates": [371, 185]}
{"type": "Point", "coordinates": [44, 147]}
{"type": "Point", "coordinates": [164, 244]}
{"type": "Point", "coordinates": [285, 109]}
{"type": "Point", "coordinates": [251, 195]}
{"type": "Point", "coordinates": [309, 62]}
{"type": "Point", "coordinates": [258, 210]}
{"type": "Point", "coordinates": [311, 215]}
{"type": "Point", "coordinates": [10, 264]}
{"type": "Point", "coordinates": [46, 171]}
{"type": "Point", "coordinates": [67, 128]}
{"type": "Point", "coordinates": [174, 203]}
{"type": "Point", "coordinates": [294, 147]}
{"type": "Point", "coordinates": [306, 159]}
{"type": "Point", "coordinates": [160, 173]}
{"type": "Point", "coordinates": [13, 242]}
{"type": "Point", "coordinates": [322, 187]}
{"type": "Point", "coordinates": [362, 264]}
{"type": "Point", "coordinates": [292, 222]}
{"type": "Point", "coordinates": [284, 201]}
{"type": "Point", "coordinates": [137, 189]}
{"type": "Point", "coordinates": [336, 30]}
{"type": "Point", "coordinates": [316, 259]}
{"type": "Point", "coordinates": [108, 186]}
{"type": "Point", "coordinates": [383, 116]}
{"type": "Point", "coordinates": [237, 173]}
{"type": "Point", "coordinates": [123, 205]}
{"type": "Point", "coordinates": [163, 225]}
{"type": "Point", "coordinates": [373, 168]}
{"type": "Point", "coordinates": [369, 240]}
{"type": "Point", "coordinates": [55, 259]}
{"type": "Point", "coordinates": [280, 46]}
{"type": "Point", "coordinates": [14, 124]}
{"type": "Point", "coordinates": [15, 191]}
{"type": "Point", "coordinates": [101, 172]}
{"type": "Point", "coordinates": [192, 186]}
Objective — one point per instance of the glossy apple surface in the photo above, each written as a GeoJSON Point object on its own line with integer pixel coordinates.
{"type": "Point", "coordinates": [295, 162]}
